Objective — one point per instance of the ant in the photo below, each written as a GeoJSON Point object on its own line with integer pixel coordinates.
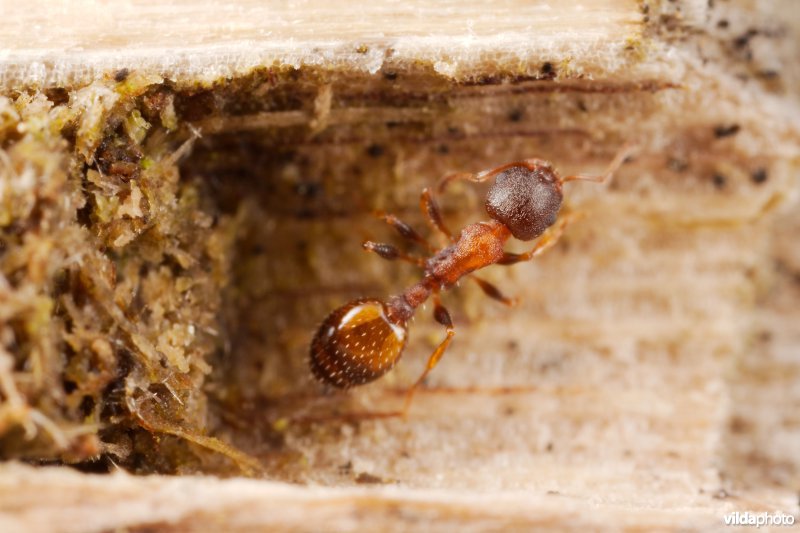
{"type": "Point", "coordinates": [362, 340]}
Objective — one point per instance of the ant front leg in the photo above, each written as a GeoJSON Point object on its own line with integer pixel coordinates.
{"type": "Point", "coordinates": [442, 316]}
{"type": "Point", "coordinates": [404, 230]}
{"type": "Point", "coordinates": [390, 253]}
{"type": "Point", "coordinates": [433, 214]}
{"type": "Point", "coordinates": [545, 242]}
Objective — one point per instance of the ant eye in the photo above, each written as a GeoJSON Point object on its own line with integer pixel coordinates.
{"type": "Point", "coordinates": [526, 201]}
{"type": "Point", "coordinates": [356, 344]}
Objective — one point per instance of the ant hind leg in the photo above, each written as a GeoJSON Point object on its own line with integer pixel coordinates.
{"type": "Point", "coordinates": [442, 316]}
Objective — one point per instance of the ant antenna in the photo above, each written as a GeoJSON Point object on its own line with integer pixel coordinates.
{"type": "Point", "coordinates": [620, 158]}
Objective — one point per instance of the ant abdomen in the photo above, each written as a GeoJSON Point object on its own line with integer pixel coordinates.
{"type": "Point", "coordinates": [356, 344]}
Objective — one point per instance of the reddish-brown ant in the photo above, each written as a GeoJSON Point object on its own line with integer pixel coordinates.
{"type": "Point", "coordinates": [364, 339]}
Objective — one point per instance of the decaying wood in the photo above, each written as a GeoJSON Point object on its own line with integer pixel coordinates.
{"type": "Point", "coordinates": [196, 41]}
{"type": "Point", "coordinates": [94, 503]}
{"type": "Point", "coordinates": [649, 378]}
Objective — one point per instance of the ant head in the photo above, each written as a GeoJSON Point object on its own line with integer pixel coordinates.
{"type": "Point", "coordinates": [526, 200]}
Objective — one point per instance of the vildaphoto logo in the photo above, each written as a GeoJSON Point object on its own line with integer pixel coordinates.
{"type": "Point", "coordinates": [758, 519]}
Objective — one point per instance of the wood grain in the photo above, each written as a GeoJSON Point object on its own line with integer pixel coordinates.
{"type": "Point", "coordinates": [648, 381]}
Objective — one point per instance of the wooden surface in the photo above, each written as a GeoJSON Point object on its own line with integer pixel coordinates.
{"type": "Point", "coordinates": [77, 42]}
{"type": "Point", "coordinates": [647, 382]}
{"type": "Point", "coordinates": [69, 502]}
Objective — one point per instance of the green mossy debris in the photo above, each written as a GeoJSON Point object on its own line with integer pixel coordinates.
{"type": "Point", "coordinates": [111, 275]}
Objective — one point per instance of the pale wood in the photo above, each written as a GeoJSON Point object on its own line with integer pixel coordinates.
{"type": "Point", "coordinates": [615, 436]}
{"type": "Point", "coordinates": [78, 41]}
{"type": "Point", "coordinates": [59, 500]}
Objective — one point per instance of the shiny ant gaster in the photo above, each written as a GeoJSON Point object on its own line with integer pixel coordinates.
{"type": "Point", "coordinates": [362, 340]}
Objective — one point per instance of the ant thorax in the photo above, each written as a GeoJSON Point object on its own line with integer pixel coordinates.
{"type": "Point", "coordinates": [479, 245]}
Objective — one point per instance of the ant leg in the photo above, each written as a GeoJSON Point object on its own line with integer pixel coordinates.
{"type": "Point", "coordinates": [493, 292]}
{"type": "Point", "coordinates": [442, 316]}
{"type": "Point", "coordinates": [405, 230]}
{"type": "Point", "coordinates": [390, 253]}
{"type": "Point", "coordinates": [617, 162]}
{"type": "Point", "coordinates": [545, 242]}
{"type": "Point", "coordinates": [429, 207]}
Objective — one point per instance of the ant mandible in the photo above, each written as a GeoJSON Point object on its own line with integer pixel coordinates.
{"type": "Point", "coordinates": [362, 340]}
